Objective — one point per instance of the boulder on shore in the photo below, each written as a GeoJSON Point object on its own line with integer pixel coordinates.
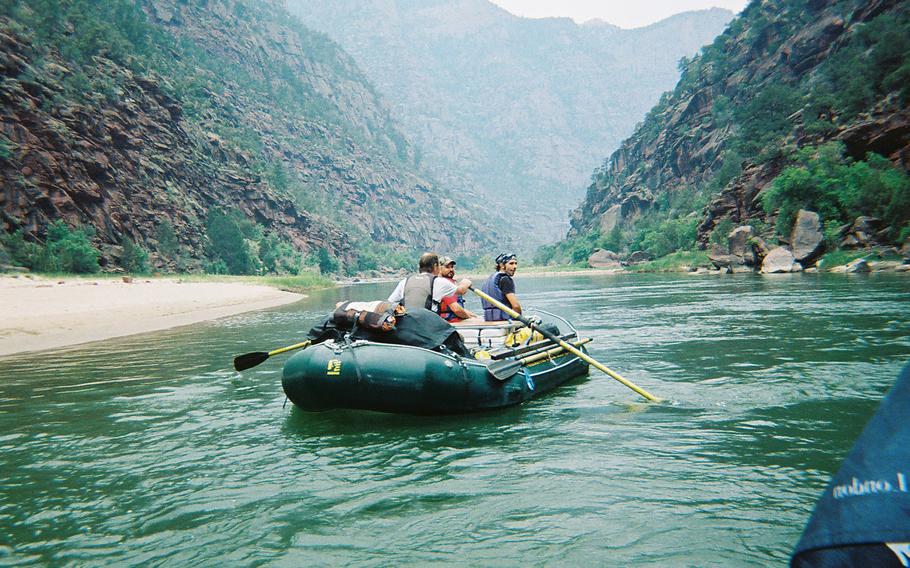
{"type": "Point", "coordinates": [639, 257]}
{"type": "Point", "coordinates": [780, 260]}
{"type": "Point", "coordinates": [601, 258]}
{"type": "Point", "coordinates": [740, 244]}
{"type": "Point", "coordinates": [856, 266]}
{"type": "Point", "coordinates": [807, 240]}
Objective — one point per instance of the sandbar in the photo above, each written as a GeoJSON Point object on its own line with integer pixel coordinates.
{"type": "Point", "coordinates": [40, 314]}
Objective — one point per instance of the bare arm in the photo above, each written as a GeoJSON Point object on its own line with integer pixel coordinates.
{"type": "Point", "coordinates": [460, 311]}
{"type": "Point", "coordinates": [513, 300]}
{"type": "Point", "coordinates": [463, 286]}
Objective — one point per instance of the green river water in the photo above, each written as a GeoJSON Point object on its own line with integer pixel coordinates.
{"type": "Point", "coordinates": [151, 450]}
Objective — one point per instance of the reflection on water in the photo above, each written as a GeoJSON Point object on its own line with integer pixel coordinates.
{"type": "Point", "coordinates": [151, 449]}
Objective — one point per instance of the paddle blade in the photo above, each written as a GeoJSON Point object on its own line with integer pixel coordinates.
{"type": "Point", "coordinates": [249, 360]}
{"type": "Point", "coordinates": [503, 370]}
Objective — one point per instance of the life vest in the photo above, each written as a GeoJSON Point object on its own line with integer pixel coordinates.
{"type": "Point", "coordinates": [491, 288]}
{"type": "Point", "coordinates": [446, 310]}
{"type": "Point", "coordinates": [418, 292]}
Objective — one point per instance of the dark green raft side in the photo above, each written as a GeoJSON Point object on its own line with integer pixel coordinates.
{"type": "Point", "coordinates": [412, 380]}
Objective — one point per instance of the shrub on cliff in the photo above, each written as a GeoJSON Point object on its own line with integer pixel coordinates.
{"type": "Point", "coordinates": [278, 257]}
{"type": "Point", "coordinates": [64, 250]}
{"type": "Point", "coordinates": [17, 250]}
{"type": "Point", "coordinates": [237, 245]}
{"type": "Point", "coordinates": [134, 258]}
{"type": "Point", "coordinates": [226, 243]}
{"type": "Point", "coordinates": [168, 245]}
{"type": "Point", "coordinates": [70, 250]}
{"type": "Point", "coordinates": [839, 189]}
{"type": "Point", "coordinates": [327, 263]}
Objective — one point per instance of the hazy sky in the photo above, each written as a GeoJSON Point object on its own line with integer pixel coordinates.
{"type": "Point", "coordinates": [623, 13]}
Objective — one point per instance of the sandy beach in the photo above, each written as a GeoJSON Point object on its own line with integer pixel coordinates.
{"type": "Point", "coordinates": [40, 314]}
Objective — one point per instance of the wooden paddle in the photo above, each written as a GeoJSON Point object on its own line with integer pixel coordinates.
{"type": "Point", "coordinates": [549, 335]}
{"type": "Point", "coordinates": [249, 360]}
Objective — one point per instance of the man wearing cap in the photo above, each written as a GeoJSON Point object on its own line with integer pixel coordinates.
{"type": "Point", "coordinates": [501, 287]}
{"type": "Point", "coordinates": [451, 308]}
{"type": "Point", "coordinates": [425, 289]}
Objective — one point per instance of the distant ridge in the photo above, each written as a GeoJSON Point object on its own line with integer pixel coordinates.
{"type": "Point", "coordinates": [517, 111]}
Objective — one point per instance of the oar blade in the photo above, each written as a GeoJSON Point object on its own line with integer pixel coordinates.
{"type": "Point", "coordinates": [504, 370]}
{"type": "Point", "coordinates": [249, 360]}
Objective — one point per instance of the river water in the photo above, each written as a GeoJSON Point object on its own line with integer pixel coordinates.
{"type": "Point", "coordinates": [150, 450]}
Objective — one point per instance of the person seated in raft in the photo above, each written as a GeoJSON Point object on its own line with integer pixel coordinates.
{"type": "Point", "coordinates": [451, 308]}
{"type": "Point", "coordinates": [425, 289]}
{"type": "Point", "coordinates": [500, 286]}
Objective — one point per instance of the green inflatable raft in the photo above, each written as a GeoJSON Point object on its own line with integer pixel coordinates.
{"type": "Point", "coordinates": [383, 377]}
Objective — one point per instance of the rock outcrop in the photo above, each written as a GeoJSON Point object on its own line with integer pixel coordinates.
{"type": "Point", "coordinates": [324, 174]}
{"type": "Point", "coordinates": [692, 136]}
{"type": "Point", "coordinates": [806, 239]}
{"type": "Point", "coordinates": [739, 252]}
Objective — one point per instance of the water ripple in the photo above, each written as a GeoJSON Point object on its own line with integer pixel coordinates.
{"type": "Point", "coordinates": [152, 450]}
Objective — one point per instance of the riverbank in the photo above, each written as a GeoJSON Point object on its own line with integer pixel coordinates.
{"type": "Point", "coordinates": [41, 313]}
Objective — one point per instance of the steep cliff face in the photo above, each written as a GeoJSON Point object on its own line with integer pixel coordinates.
{"type": "Point", "coordinates": [231, 105]}
{"type": "Point", "coordinates": [519, 110]}
{"type": "Point", "coordinates": [740, 111]}
{"type": "Point", "coordinates": [126, 166]}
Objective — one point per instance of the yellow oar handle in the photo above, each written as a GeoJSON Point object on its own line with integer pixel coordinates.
{"type": "Point", "coordinates": [290, 348]}
{"type": "Point", "coordinates": [566, 346]}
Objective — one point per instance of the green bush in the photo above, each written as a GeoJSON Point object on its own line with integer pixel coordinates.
{"type": "Point", "coordinates": [839, 258]}
{"type": "Point", "coordinates": [135, 258]}
{"type": "Point", "coordinates": [544, 255]}
{"type": "Point", "coordinates": [839, 189]}
{"type": "Point", "coordinates": [874, 61]}
{"type": "Point", "coordinates": [68, 250]}
{"type": "Point", "coordinates": [764, 120]}
{"type": "Point", "coordinates": [675, 262]}
{"type": "Point", "coordinates": [168, 245]}
{"type": "Point", "coordinates": [278, 257]}
{"type": "Point", "coordinates": [327, 263]}
{"type": "Point", "coordinates": [613, 240]}
{"type": "Point", "coordinates": [666, 236]}
{"type": "Point", "coordinates": [227, 243]}
{"type": "Point", "coordinates": [721, 231]}
{"type": "Point", "coordinates": [20, 251]}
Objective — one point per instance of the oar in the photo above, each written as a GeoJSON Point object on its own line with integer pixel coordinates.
{"type": "Point", "coordinates": [249, 360]}
{"type": "Point", "coordinates": [553, 337]}
{"type": "Point", "coordinates": [503, 370]}
{"type": "Point", "coordinates": [551, 352]}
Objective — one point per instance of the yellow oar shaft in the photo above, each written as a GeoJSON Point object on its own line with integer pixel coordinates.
{"type": "Point", "coordinates": [551, 352]}
{"type": "Point", "coordinates": [566, 346]}
{"type": "Point", "coordinates": [289, 348]}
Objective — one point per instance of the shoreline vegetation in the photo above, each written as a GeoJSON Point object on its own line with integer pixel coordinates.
{"type": "Point", "coordinates": [52, 311]}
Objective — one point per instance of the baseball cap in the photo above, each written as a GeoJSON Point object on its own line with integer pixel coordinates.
{"type": "Point", "coordinates": [446, 260]}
